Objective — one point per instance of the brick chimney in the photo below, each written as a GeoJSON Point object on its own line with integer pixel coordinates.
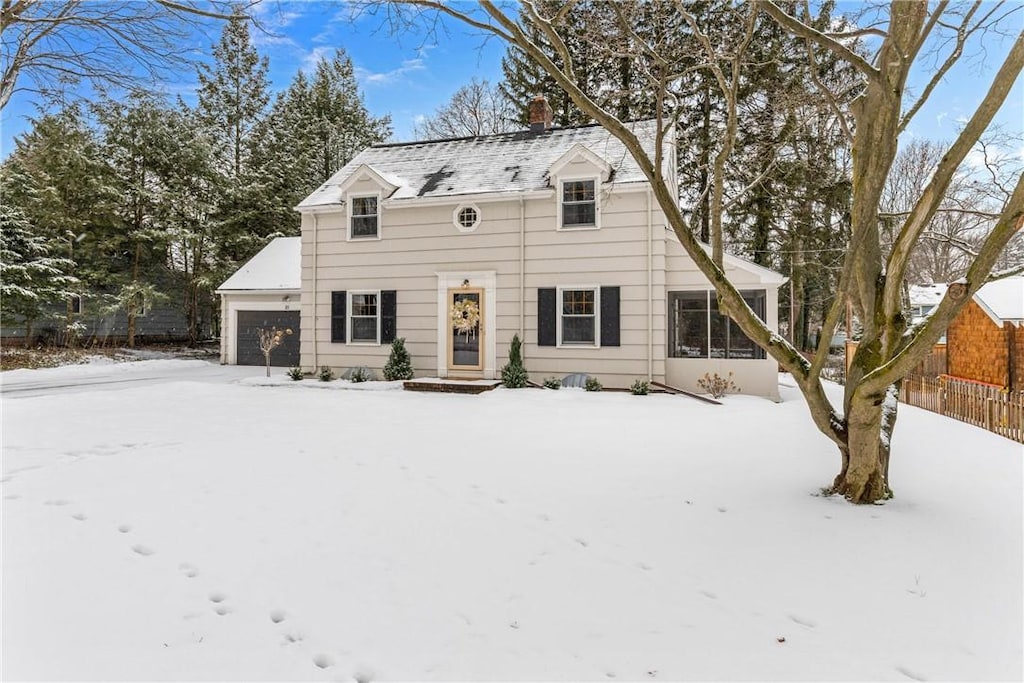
{"type": "Point", "coordinates": [541, 116]}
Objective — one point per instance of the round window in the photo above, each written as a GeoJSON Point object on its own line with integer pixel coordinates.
{"type": "Point", "coordinates": [467, 218]}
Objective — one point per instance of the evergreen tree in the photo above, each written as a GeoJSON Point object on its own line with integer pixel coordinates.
{"type": "Point", "coordinates": [137, 144]}
{"type": "Point", "coordinates": [60, 182]}
{"type": "Point", "coordinates": [399, 365]}
{"type": "Point", "coordinates": [514, 375]}
{"type": "Point", "coordinates": [314, 128]}
{"type": "Point", "coordinates": [232, 99]}
{"type": "Point", "coordinates": [31, 278]}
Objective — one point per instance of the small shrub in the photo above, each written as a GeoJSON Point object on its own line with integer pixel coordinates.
{"type": "Point", "coordinates": [295, 374]}
{"type": "Point", "coordinates": [399, 365]}
{"type": "Point", "coordinates": [717, 385]}
{"type": "Point", "coordinates": [552, 383]}
{"type": "Point", "coordinates": [640, 388]}
{"type": "Point", "coordinates": [326, 374]}
{"type": "Point", "coordinates": [359, 374]}
{"type": "Point", "coordinates": [592, 384]}
{"type": "Point", "coordinates": [514, 375]}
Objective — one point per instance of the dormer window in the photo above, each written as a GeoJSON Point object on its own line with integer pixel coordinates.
{"type": "Point", "coordinates": [363, 218]}
{"type": "Point", "coordinates": [579, 203]}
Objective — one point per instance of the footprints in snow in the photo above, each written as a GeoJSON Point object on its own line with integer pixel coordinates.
{"type": "Point", "coordinates": [143, 550]}
{"type": "Point", "coordinates": [188, 570]}
{"type": "Point", "coordinates": [219, 606]}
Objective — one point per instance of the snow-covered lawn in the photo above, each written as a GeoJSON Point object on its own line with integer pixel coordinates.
{"type": "Point", "coordinates": [230, 531]}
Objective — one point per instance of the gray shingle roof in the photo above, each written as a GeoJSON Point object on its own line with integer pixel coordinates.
{"type": "Point", "coordinates": [509, 162]}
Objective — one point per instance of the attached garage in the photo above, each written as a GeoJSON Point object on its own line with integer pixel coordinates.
{"type": "Point", "coordinates": [263, 293]}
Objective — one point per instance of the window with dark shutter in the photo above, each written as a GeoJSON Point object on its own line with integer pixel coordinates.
{"type": "Point", "coordinates": [609, 316]}
{"type": "Point", "coordinates": [339, 301]}
{"type": "Point", "coordinates": [388, 315]}
{"type": "Point", "coordinates": [547, 317]}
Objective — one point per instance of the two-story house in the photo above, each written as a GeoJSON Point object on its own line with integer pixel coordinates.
{"type": "Point", "coordinates": [550, 233]}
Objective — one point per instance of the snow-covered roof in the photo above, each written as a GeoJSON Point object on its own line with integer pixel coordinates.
{"type": "Point", "coordinates": [927, 295]}
{"type": "Point", "coordinates": [278, 266]}
{"type": "Point", "coordinates": [508, 162]}
{"type": "Point", "coordinates": [1003, 300]}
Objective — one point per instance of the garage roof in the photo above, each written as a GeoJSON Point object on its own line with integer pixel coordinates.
{"type": "Point", "coordinates": [278, 266]}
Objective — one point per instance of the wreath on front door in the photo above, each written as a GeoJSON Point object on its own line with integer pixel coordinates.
{"type": "Point", "coordinates": [465, 315]}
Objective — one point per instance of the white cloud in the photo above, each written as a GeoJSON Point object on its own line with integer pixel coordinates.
{"type": "Point", "coordinates": [407, 67]}
{"type": "Point", "coordinates": [314, 56]}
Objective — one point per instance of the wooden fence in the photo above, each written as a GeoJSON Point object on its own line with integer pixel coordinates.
{"type": "Point", "coordinates": [982, 405]}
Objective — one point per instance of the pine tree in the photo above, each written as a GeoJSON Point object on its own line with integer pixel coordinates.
{"type": "Point", "coordinates": [514, 375]}
{"type": "Point", "coordinates": [31, 278]}
{"type": "Point", "coordinates": [232, 99]}
{"type": "Point", "coordinates": [137, 144]}
{"type": "Point", "coordinates": [399, 365]}
{"type": "Point", "coordinates": [314, 128]}
{"type": "Point", "coordinates": [59, 180]}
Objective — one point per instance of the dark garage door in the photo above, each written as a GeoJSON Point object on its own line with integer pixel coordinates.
{"type": "Point", "coordinates": [248, 342]}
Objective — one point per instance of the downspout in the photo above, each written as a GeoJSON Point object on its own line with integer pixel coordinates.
{"type": "Point", "coordinates": [650, 286]}
{"type": "Point", "coordinates": [522, 267]}
{"type": "Point", "coordinates": [316, 284]}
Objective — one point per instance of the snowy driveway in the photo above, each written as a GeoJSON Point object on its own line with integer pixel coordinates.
{"type": "Point", "coordinates": [110, 375]}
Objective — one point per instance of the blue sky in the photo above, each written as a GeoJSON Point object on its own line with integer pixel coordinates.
{"type": "Point", "coordinates": [410, 76]}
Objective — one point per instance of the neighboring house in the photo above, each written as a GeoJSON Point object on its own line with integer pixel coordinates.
{"type": "Point", "coordinates": [96, 324]}
{"type": "Point", "coordinates": [984, 342]}
{"type": "Point", "coordinates": [924, 299]}
{"type": "Point", "coordinates": [263, 293]}
{"type": "Point", "coordinates": [551, 234]}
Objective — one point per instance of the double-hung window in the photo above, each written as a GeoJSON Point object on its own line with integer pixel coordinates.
{"type": "Point", "coordinates": [579, 204]}
{"type": "Point", "coordinates": [364, 317]}
{"type": "Point", "coordinates": [697, 329]}
{"type": "Point", "coordinates": [364, 218]}
{"type": "Point", "coordinates": [578, 316]}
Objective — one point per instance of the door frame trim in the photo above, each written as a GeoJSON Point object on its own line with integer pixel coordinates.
{"type": "Point", "coordinates": [478, 279]}
{"type": "Point", "coordinates": [481, 332]}
{"type": "Point", "coordinates": [234, 302]}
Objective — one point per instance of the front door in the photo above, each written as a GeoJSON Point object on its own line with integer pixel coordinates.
{"type": "Point", "coordinates": [466, 330]}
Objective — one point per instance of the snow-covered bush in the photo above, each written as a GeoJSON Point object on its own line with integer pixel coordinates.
{"type": "Point", "coordinates": [326, 374]}
{"type": "Point", "coordinates": [552, 383]}
{"type": "Point", "coordinates": [592, 384]}
{"type": "Point", "coordinates": [640, 388]}
{"type": "Point", "coordinates": [359, 374]}
{"type": "Point", "coordinates": [295, 373]}
{"type": "Point", "coordinates": [399, 365]}
{"type": "Point", "coordinates": [514, 374]}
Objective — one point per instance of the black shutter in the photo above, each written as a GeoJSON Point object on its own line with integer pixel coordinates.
{"type": "Point", "coordinates": [388, 315]}
{"type": "Point", "coordinates": [339, 302]}
{"type": "Point", "coordinates": [547, 317]}
{"type": "Point", "coordinates": [609, 316]}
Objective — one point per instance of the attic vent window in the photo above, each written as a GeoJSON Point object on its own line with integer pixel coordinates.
{"type": "Point", "coordinates": [467, 218]}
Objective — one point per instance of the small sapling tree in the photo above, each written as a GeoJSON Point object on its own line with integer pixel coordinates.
{"type": "Point", "coordinates": [399, 365]}
{"type": "Point", "coordinates": [270, 339]}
